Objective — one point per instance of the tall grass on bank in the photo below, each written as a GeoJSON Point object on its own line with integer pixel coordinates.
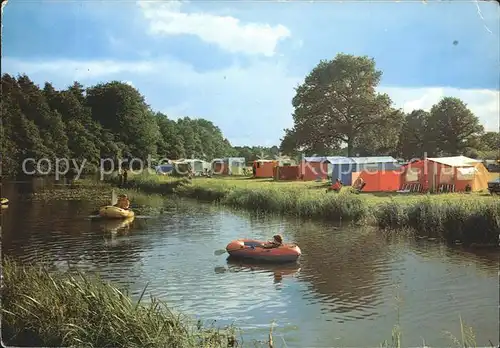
{"type": "Point", "coordinates": [470, 219]}
{"type": "Point", "coordinates": [67, 309]}
{"type": "Point", "coordinates": [465, 221]}
{"type": "Point", "coordinates": [269, 199]}
{"type": "Point", "coordinates": [281, 200]}
{"type": "Point", "coordinates": [72, 309]}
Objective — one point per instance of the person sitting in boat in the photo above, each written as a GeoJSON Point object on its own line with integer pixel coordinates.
{"type": "Point", "coordinates": [275, 243]}
{"type": "Point", "coordinates": [123, 202]}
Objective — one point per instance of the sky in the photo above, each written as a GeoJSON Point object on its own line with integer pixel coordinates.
{"type": "Point", "coordinates": [237, 63]}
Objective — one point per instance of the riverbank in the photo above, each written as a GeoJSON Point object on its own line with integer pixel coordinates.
{"type": "Point", "coordinates": [43, 308]}
{"type": "Point", "coordinates": [100, 192]}
{"type": "Point", "coordinates": [71, 309]}
{"type": "Point", "coordinates": [470, 219]}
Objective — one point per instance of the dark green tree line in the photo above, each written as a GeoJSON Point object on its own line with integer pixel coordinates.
{"type": "Point", "coordinates": [107, 120]}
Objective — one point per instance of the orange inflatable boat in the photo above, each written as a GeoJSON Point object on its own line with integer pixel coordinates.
{"type": "Point", "coordinates": [252, 249]}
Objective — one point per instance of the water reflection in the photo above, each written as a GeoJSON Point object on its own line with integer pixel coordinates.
{"type": "Point", "coordinates": [344, 279]}
{"type": "Point", "coordinates": [60, 233]}
{"type": "Point", "coordinates": [347, 269]}
{"type": "Point", "coordinates": [278, 271]}
{"type": "Point", "coordinates": [114, 226]}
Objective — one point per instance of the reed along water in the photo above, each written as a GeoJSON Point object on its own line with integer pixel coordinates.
{"type": "Point", "coordinates": [350, 287]}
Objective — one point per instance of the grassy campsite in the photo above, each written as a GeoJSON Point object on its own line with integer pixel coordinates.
{"type": "Point", "coordinates": [452, 217]}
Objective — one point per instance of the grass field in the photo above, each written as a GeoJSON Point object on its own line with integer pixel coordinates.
{"type": "Point", "coordinates": [458, 217]}
{"type": "Point", "coordinates": [311, 188]}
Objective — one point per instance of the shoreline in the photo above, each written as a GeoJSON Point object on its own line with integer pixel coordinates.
{"type": "Point", "coordinates": [472, 220]}
{"type": "Point", "coordinates": [44, 308]}
{"type": "Point", "coordinates": [23, 280]}
{"type": "Point", "coordinates": [459, 218]}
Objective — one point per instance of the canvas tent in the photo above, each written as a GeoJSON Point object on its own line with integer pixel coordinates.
{"type": "Point", "coordinates": [164, 169]}
{"type": "Point", "coordinates": [341, 168]}
{"type": "Point", "coordinates": [348, 169]}
{"type": "Point", "coordinates": [286, 172]}
{"type": "Point", "coordinates": [218, 166]}
{"type": "Point", "coordinates": [264, 168]}
{"type": "Point", "coordinates": [235, 165]}
{"type": "Point", "coordinates": [380, 173]}
{"type": "Point", "coordinates": [198, 166]}
{"type": "Point", "coordinates": [380, 180]}
{"type": "Point", "coordinates": [229, 166]}
{"type": "Point", "coordinates": [446, 174]}
{"type": "Point", "coordinates": [313, 168]}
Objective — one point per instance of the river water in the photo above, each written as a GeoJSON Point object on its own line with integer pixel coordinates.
{"type": "Point", "coordinates": [350, 287]}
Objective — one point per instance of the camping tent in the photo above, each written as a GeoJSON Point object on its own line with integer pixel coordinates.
{"type": "Point", "coordinates": [218, 166]}
{"type": "Point", "coordinates": [446, 174]}
{"type": "Point", "coordinates": [341, 168]}
{"type": "Point", "coordinates": [313, 168]}
{"type": "Point", "coordinates": [229, 166]}
{"type": "Point", "coordinates": [234, 165]}
{"type": "Point", "coordinates": [380, 180]}
{"type": "Point", "coordinates": [286, 172]}
{"type": "Point", "coordinates": [264, 168]}
{"type": "Point", "coordinates": [164, 169]}
{"type": "Point", "coordinates": [198, 165]}
{"type": "Point", "coordinates": [348, 169]}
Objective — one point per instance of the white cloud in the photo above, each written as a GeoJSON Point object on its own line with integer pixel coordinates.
{"type": "Point", "coordinates": [250, 104]}
{"type": "Point", "coordinates": [484, 103]}
{"type": "Point", "coordinates": [76, 70]}
{"type": "Point", "coordinates": [225, 31]}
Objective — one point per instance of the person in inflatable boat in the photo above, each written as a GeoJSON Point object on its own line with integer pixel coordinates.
{"type": "Point", "coordinates": [123, 202]}
{"type": "Point", "coordinates": [275, 243]}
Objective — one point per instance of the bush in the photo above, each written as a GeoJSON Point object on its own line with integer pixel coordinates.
{"type": "Point", "coordinates": [470, 222]}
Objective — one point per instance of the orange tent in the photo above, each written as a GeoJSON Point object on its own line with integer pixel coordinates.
{"type": "Point", "coordinates": [313, 168]}
{"type": "Point", "coordinates": [264, 168]}
{"type": "Point", "coordinates": [381, 180]}
{"type": "Point", "coordinates": [446, 174]}
{"type": "Point", "coordinates": [286, 172]}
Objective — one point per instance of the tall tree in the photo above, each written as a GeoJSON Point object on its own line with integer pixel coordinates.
{"type": "Point", "coordinates": [108, 120]}
{"type": "Point", "coordinates": [416, 137]}
{"type": "Point", "coordinates": [122, 110]}
{"type": "Point", "coordinates": [296, 142]}
{"type": "Point", "coordinates": [49, 122]}
{"type": "Point", "coordinates": [454, 125]}
{"type": "Point", "coordinates": [382, 138]}
{"type": "Point", "coordinates": [191, 140]}
{"type": "Point", "coordinates": [170, 143]}
{"type": "Point", "coordinates": [490, 141]}
{"type": "Point", "coordinates": [337, 102]}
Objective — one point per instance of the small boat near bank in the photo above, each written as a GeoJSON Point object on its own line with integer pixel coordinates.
{"type": "Point", "coordinates": [4, 202]}
{"type": "Point", "coordinates": [112, 212]}
{"type": "Point", "coordinates": [252, 249]}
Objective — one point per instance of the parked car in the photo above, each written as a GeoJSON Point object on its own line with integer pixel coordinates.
{"type": "Point", "coordinates": [494, 186]}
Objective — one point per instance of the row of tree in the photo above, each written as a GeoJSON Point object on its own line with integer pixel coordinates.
{"type": "Point", "coordinates": [337, 105]}
{"type": "Point", "coordinates": [110, 120]}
